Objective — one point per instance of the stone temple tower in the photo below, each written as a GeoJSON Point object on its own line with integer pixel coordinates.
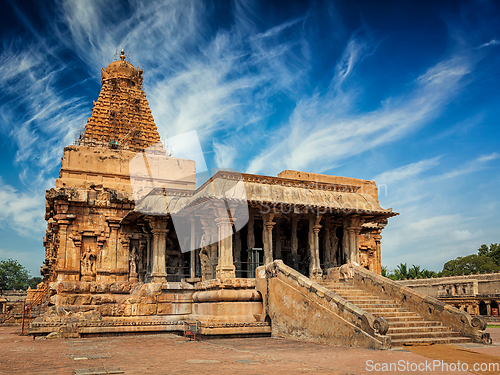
{"type": "Point", "coordinates": [85, 238]}
{"type": "Point", "coordinates": [121, 117]}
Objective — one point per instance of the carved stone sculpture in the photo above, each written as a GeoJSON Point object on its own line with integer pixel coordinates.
{"type": "Point", "coordinates": [88, 264]}
{"type": "Point", "coordinates": [133, 261]}
{"type": "Point", "coordinates": [347, 270]}
{"type": "Point", "coordinates": [206, 269]}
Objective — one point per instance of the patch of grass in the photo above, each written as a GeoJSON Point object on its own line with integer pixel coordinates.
{"type": "Point", "coordinates": [493, 326]}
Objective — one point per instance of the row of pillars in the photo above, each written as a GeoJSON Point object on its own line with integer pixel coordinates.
{"type": "Point", "coordinates": [225, 266]}
{"type": "Point", "coordinates": [474, 309]}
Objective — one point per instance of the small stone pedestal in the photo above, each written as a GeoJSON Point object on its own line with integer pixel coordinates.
{"type": "Point", "coordinates": [87, 277]}
{"type": "Point", "coordinates": [134, 277]}
{"type": "Point", "coordinates": [159, 277]}
{"type": "Point", "coordinates": [229, 306]}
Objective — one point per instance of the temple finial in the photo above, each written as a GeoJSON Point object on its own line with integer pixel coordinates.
{"type": "Point", "coordinates": [122, 56]}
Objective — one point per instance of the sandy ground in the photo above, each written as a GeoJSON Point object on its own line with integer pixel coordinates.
{"type": "Point", "coordinates": [171, 354]}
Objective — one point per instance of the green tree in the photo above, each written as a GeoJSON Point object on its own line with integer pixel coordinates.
{"type": "Point", "coordinates": [385, 272]}
{"type": "Point", "coordinates": [470, 264]}
{"type": "Point", "coordinates": [428, 274]}
{"type": "Point", "coordinates": [401, 272]}
{"type": "Point", "coordinates": [493, 252]}
{"type": "Point", "coordinates": [414, 272]}
{"type": "Point", "coordinates": [34, 281]}
{"type": "Point", "coordinates": [13, 275]}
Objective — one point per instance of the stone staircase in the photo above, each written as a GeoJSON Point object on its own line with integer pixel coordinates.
{"type": "Point", "coordinates": [405, 326]}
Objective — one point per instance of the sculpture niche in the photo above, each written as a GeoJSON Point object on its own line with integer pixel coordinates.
{"type": "Point", "coordinates": [133, 257]}
{"type": "Point", "coordinates": [88, 264]}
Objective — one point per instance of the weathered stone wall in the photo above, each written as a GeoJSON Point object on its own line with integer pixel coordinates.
{"type": "Point", "coordinates": [13, 296]}
{"type": "Point", "coordinates": [456, 285]}
{"type": "Point", "coordinates": [364, 186]}
{"type": "Point", "coordinates": [83, 166]}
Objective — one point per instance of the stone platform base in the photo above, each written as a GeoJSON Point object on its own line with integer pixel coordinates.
{"type": "Point", "coordinates": [59, 330]}
{"type": "Point", "coordinates": [220, 306]}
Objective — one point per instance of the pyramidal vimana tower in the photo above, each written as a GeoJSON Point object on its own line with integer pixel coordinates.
{"type": "Point", "coordinates": [143, 249]}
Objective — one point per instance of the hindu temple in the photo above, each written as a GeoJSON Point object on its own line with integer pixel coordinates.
{"type": "Point", "coordinates": [134, 245]}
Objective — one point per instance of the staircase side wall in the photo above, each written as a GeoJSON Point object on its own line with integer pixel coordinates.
{"type": "Point", "coordinates": [428, 307]}
{"type": "Point", "coordinates": [299, 312]}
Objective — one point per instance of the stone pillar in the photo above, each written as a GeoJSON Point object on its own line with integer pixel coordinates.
{"type": "Point", "coordinates": [225, 267]}
{"type": "Point", "coordinates": [205, 254]}
{"type": "Point", "coordinates": [267, 237]}
{"type": "Point", "coordinates": [108, 258]}
{"type": "Point", "coordinates": [345, 242]}
{"type": "Point", "coordinates": [476, 308]}
{"type": "Point", "coordinates": [114, 225]}
{"type": "Point", "coordinates": [237, 250]}
{"type": "Point", "coordinates": [353, 231]}
{"type": "Point", "coordinates": [214, 250]}
{"type": "Point", "coordinates": [327, 244]}
{"type": "Point", "coordinates": [159, 229]}
{"type": "Point", "coordinates": [277, 251]}
{"type": "Point", "coordinates": [192, 255]}
{"type": "Point", "coordinates": [68, 258]}
{"type": "Point", "coordinates": [61, 253]}
{"type": "Point", "coordinates": [294, 243]}
{"type": "Point", "coordinates": [123, 260]}
{"type": "Point", "coordinates": [251, 232]}
{"type": "Point", "coordinates": [315, 271]}
{"type": "Point", "coordinates": [148, 255]}
{"type": "Point", "coordinates": [488, 308]}
{"type": "Point", "coordinates": [377, 236]}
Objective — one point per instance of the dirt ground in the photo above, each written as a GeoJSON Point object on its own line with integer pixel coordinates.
{"type": "Point", "coordinates": [171, 354]}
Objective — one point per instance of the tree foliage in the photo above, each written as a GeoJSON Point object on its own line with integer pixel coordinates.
{"type": "Point", "coordinates": [13, 275]}
{"type": "Point", "coordinates": [487, 260]}
{"type": "Point", "coordinates": [403, 272]}
{"type": "Point", "coordinates": [493, 252]}
{"type": "Point", "coordinates": [34, 281]}
{"type": "Point", "coordinates": [469, 264]}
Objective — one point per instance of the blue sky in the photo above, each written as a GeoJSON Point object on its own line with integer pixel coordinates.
{"type": "Point", "coordinates": [405, 93]}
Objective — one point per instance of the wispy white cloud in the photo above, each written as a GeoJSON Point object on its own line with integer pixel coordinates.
{"type": "Point", "coordinates": [35, 114]}
{"type": "Point", "coordinates": [21, 211]}
{"type": "Point", "coordinates": [323, 129]}
{"type": "Point", "coordinates": [435, 239]}
{"type": "Point", "coordinates": [224, 155]}
{"type": "Point", "coordinates": [195, 78]}
{"type": "Point", "coordinates": [406, 171]}
{"type": "Point", "coordinates": [357, 49]}
{"type": "Point", "coordinates": [438, 223]}
{"type": "Point", "coordinates": [489, 157]}
{"type": "Point", "coordinates": [468, 167]}
{"type": "Point", "coordinates": [492, 42]}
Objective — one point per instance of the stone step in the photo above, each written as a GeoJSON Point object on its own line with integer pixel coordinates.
{"type": "Point", "coordinates": [423, 335]}
{"type": "Point", "coordinates": [337, 284]}
{"type": "Point", "coordinates": [380, 303]}
{"type": "Point", "coordinates": [413, 323]}
{"type": "Point", "coordinates": [421, 328]}
{"type": "Point", "coordinates": [381, 306]}
{"type": "Point", "coordinates": [383, 310]}
{"type": "Point", "coordinates": [402, 319]}
{"type": "Point", "coordinates": [399, 314]}
{"type": "Point", "coordinates": [352, 294]}
{"type": "Point", "coordinates": [364, 298]}
{"type": "Point", "coordinates": [345, 289]}
{"type": "Point", "coordinates": [441, 340]}
{"type": "Point", "coordinates": [368, 299]}
{"type": "Point", "coordinates": [404, 326]}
